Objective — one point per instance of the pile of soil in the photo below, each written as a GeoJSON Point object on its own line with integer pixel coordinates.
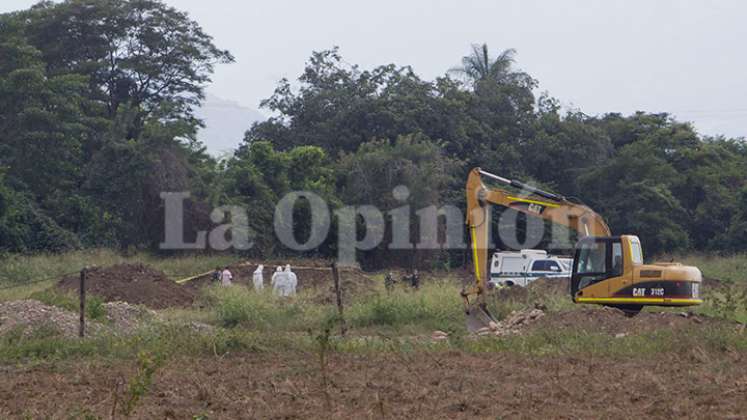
{"type": "Point", "coordinates": [132, 283]}
{"type": "Point", "coordinates": [598, 320]}
{"type": "Point", "coordinates": [511, 293]}
{"type": "Point", "coordinates": [545, 286]}
{"type": "Point", "coordinates": [537, 289]}
{"type": "Point", "coordinates": [32, 315]}
{"type": "Point", "coordinates": [514, 323]}
{"type": "Point", "coordinates": [615, 322]}
{"type": "Point", "coordinates": [518, 320]}
{"type": "Point", "coordinates": [125, 317]}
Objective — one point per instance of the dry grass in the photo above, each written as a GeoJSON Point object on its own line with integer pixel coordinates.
{"type": "Point", "coordinates": [725, 268]}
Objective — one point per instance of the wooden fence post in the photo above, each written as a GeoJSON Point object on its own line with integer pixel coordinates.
{"type": "Point", "coordinates": [338, 293]}
{"type": "Point", "coordinates": [82, 329]}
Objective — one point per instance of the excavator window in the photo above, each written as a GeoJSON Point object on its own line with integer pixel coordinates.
{"type": "Point", "coordinates": [593, 258]}
{"type": "Point", "coordinates": [596, 259]}
{"type": "Point", "coordinates": [637, 253]}
{"type": "Point", "coordinates": [617, 259]}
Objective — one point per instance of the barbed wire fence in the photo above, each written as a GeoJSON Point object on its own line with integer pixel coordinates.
{"type": "Point", "coordinates": [8, 284]}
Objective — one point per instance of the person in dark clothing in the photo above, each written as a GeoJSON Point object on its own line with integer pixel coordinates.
{"type": "Point", "coordinates": [389, 281]}
{"type": "Point", "coordinates": [415, 280]}
{"type": "Point", "coordinates": [216, 274]}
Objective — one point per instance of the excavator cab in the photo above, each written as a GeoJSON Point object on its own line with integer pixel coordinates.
{"type": "Point", "coordinates": [596, 259]}
{"type": "Point", "coordinates": [610, 271]}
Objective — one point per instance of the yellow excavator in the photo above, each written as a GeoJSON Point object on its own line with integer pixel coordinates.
{"type": "Point", "coordinates": [607, 270]}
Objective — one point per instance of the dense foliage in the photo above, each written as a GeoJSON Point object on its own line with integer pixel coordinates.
{"type": "Point", "coordinates": [96, 120]}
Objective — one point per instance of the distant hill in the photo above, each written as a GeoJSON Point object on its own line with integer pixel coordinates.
{"type": "Point", "coordinates": [226, 121]}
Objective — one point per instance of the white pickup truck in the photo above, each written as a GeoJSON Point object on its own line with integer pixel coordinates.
{"type": "Point", "coordinates": [519, 268]}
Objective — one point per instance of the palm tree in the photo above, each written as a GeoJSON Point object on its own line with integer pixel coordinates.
{"type": "Point", "coordinates": [479, 66]}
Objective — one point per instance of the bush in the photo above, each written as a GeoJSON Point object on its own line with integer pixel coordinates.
{"type": "Point", "coordinates": [163, 341]}
{"type": "Point", "coordinates": [240, 306]}
{"type": "Point", "coordinates": [67, 300]}
{"type": "Point", "coordinates": [434, 306]}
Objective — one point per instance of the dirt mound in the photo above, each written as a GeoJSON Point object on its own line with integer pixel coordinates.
{"type": "Point", "coordinates": [511, 293]}
{"type": "Point", "coordinates": [545, 286]}
{"type": "Point", "coordinates": [32, 315]}
{"type": "Point", "coordinates": [125, 317]}
{"type": "Point", "coordinates": [513, 324]}
{"type": "Point", "coordinates": [132, 283]}
{"type": "Point", "coordinates": [597, 320]}
{"type": "Point", "coordinates": [537, 289]}
{"type": "Point", "coordinates": [615, 322]}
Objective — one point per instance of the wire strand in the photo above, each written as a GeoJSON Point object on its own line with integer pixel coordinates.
{"type": "Point", "coordinates": [28, 283]}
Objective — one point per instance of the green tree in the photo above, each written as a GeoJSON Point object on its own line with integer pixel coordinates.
{"type": "Point", "coordinates": [96, 106]}
{"type": "Point", "coordinates": [479, 67]}
{"type": "Point", "coordinates": [632, 191]}
{"type": "Point", "coordinates": [563, 147]}
{"type": "Point", "coordinates": [370, 175]}
{"type": "Point", "coordinates": [141, 54]}
{"type": "Point", "coordinates": [259, 176]}
{"type": "Point", "coordinates": [338, 107]}
{"type": "Point", "coordinates": [735, 238]}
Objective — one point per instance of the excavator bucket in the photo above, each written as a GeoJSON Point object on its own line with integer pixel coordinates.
{"type": "Point", "coordinates": [479, 318]}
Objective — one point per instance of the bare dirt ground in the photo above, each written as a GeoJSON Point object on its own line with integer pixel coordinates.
{"type": "Point", "coordinates": [613, 321]}
{"type": "Point", "coordinates": [445, 385]}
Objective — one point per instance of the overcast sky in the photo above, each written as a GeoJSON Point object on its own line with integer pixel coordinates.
{"type": "Point", "coordinates": [684, 57]}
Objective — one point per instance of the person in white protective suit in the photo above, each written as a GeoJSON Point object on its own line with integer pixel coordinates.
{"type": "Point", "coordinates": [226, 277]}
{"type": "Point", "coordinates": [292, 281]}
{"type": "Point", "coordinates": [257, 279]}
{"type": "Point", "coordinates": [277, 281]}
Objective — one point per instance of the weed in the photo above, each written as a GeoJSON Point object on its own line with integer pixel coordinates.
{"type": "Point", "coordinates": [434, 306]}
{"type": "Point", "coordinates": [140, 384]}
{"type": "Point", "coordinates": [730, 302]}
{"type": "Point", "coordinates": [240, 306]}
{"type": "Point", "coordinates": [95, 309]}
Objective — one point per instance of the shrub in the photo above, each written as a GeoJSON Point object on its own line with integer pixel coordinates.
{"type": "Point", "coordinates": [240, 306]}
{"type": "Point", "coordinates": [434, 306]}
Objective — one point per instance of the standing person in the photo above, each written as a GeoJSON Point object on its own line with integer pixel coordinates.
{"type": "Point", "coordinates": [217, 274]}
{"type": "Point", "coordinates": [292, 281]}
{"type": "Point", "coordinates": [257, 279]}
{"type": "Point", "coordinates": [226, 277]}
{"type": "Point", "coordinates": [277, 281]}
{"type": "Point", "coordinates": [415, 280]}
{"type": "Point", "coordinates": [389, 281]}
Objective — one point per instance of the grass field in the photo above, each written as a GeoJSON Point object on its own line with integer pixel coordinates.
{"type": "Point", "coordinates": [725, 268]}
{"type": "Point", "coordinates": [255, 347]}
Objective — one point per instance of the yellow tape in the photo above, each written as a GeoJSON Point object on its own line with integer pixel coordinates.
{"type": "Point", "coordinates": [182, 281]}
